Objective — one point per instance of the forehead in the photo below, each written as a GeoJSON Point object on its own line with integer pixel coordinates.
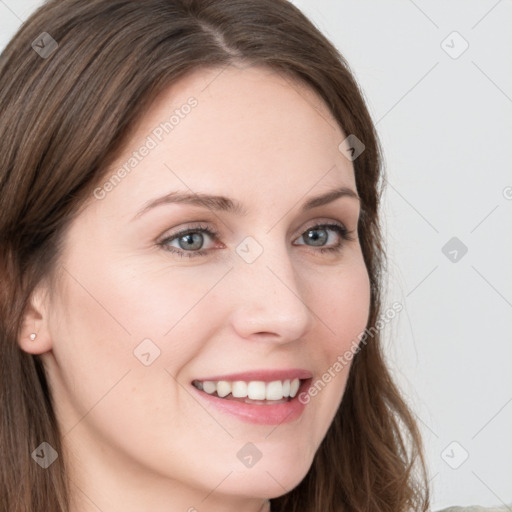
{"type": "Point", "coordinates": [234, 131]}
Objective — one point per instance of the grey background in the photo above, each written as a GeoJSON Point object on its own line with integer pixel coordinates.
{"type": "Point", "coordinates": [444, 119]}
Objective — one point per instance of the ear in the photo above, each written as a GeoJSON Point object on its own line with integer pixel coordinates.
{"type": "Point", "coordinates": [35, 321]}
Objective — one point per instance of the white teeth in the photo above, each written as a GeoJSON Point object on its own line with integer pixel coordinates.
{"type": "Point", "coordinates": [294, 387]}
{"type": "Point", "coordinates": [223, 388]}
{"type": "Point", "coordinates": [239, 389]}
{"type": "Point", "coordinates": [209, 386]}
{"type": "Point", "coordinates": [274, 390]}
{"type": "Point", "coordinates": [286, 388]}
{"type": "Point", "coordinates": [254, 390]}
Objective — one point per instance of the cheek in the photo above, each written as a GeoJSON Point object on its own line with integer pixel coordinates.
{"type": "Point", "coordinates": [152, 296]}
{"type": "Point", "coordinates": [118, 303]}
{"type": "Point", "coordinates": [90, 352]}
{"type": "Point", "coordinates": [101, 388]}
{"type": "Point", "coordinates": [344, 306]}
{"type": "Point", "coordinates": [111, 317]}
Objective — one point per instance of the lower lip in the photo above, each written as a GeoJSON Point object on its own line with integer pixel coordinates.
{"type": "Point", "coordinates": [260, 414]}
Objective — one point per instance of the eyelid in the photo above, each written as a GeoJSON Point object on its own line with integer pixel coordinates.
{"type": "Point", "coordinates": [321, 222]}
{"type": "Point", "coordinates": [192, 227]}
{"type": "Point", "coordinates": [203, 225]}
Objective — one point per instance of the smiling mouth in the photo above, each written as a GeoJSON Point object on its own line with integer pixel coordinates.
{"type": "Point", "coordinates": [252, 392]}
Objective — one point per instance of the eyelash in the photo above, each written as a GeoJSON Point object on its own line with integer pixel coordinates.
{"type": "Point", "coordinates": [344, 233]}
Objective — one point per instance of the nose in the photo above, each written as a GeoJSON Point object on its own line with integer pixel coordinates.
{"type": "Point", "coordinates": [270, 301]}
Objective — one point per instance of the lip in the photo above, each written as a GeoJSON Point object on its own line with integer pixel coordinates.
{"type": "Point", "coordinates": [263, 375]}
{"type": "Point", "coordinates": [259, 414]}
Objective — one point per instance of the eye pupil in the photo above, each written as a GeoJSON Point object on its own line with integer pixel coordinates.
{"type": "Point", "coordinates": [190, 242]}
{"type": "Point", "coordinates": [315, 238]}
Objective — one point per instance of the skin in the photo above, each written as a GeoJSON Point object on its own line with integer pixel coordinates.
{"type": "Point", "coordinates": [135, 437]}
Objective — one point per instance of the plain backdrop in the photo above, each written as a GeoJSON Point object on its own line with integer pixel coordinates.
{"type": "Point", "coordinates": [437, 77]}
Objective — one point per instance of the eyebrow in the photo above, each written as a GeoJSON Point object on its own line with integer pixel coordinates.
{"type": "Point", "coordinates": [225, 204]}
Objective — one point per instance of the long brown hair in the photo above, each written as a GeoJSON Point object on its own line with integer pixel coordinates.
{"type": "Point", "coordinates": [69, 100]}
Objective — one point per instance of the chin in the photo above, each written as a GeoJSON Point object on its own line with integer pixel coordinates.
{"type": "Point", "coordinates": [272, 478]}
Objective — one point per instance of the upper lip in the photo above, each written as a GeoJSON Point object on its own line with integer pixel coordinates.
{"type": "Point", "coordinates": [262, 375]}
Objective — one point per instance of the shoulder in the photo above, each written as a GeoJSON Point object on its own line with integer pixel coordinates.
{"type": "Point", "coordinates": [505, 508]}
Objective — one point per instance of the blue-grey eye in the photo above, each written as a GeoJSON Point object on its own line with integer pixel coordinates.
{"type": "Point", "coordinates": [317, 239]}
{"type": "Point", "coordinates": [191, 241]}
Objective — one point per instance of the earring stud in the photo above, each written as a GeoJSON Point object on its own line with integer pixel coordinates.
{"type": "Point", "coordinates": [33, 336]}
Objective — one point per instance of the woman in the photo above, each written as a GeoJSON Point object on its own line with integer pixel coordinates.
{"type": "Point", "coordinates": [191, 268]}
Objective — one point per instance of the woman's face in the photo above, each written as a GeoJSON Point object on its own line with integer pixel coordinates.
{"type": "Point", "coordinates": [139, 314]}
